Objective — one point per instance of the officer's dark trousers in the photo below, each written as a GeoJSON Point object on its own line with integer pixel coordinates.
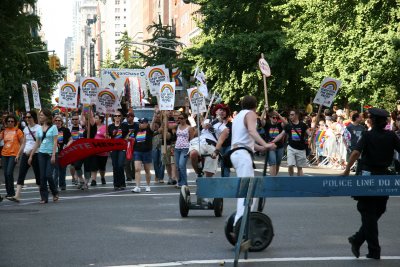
{"type": "Point", "coordinates": [371, 209]}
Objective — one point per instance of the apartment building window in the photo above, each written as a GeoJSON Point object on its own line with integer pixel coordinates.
{"type": "Point", "coordinates": [124, 25]}
{"type": "Point", "coordinates": [117, 2]}
{"type": "Point", "coordinates": [117, 10]}
{"type": "Point", "coordinates": [116, 42]}
{"type": "Point", "coordinates": [116, 49]}
{"type": "Point", "coordinates": [118, 34]}
{"type": "Point", "coordinates": [117, 18]}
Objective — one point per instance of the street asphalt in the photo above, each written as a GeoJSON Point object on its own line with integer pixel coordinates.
{"type": "Point", "coordinates": [103, 227]}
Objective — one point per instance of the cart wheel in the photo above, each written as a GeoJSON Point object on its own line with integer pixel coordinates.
{"type": "Point", "coordinates": [261, 231]}
{"type": "Point", "coordinates": [184, 197]}
{"type": "Point", "coordinates": [261, 204]}
{"type": "Point", "coordinates": [218, 204]}
{"type": "Point", "coordinates": [229, 234]}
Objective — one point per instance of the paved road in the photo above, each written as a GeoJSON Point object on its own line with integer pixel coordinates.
{"type": "Point", "coordinates": [101, 227]}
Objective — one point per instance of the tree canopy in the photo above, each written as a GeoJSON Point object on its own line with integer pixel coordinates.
{"type": "Point", "coordinates": [18, 36]}
{"type": "Point", "coordinates": [303, 41]}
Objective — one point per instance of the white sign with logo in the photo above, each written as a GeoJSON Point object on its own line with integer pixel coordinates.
{"type": "Point", "coordinates": [327, 92]}
{"type": "Point", "coordinates": [68, 94]}
{"type": "Point", "coordinates": [26, 97]}
{"type": "Point", "coordinates": [35, 95]}
{"type": "Point", "coordinates": [264, 67]}
{"type": "Point", "coordinates": [116, 78]}
{"type": "Point", "coordinates": [197, 100]}
{"type": "Point", "coordinates": [89, 87]}
{"type": "Point", "coordinates": [155, 75]}
{"type": "Point", "coordinates": [107, 101]}
{"type": "Point", "coordinates": [167, 95]}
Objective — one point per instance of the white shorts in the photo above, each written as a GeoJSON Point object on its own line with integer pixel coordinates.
{"type": "Point", "coordinates": [296, 157]}
{"type": "Point", "coordinates": [210, 164]}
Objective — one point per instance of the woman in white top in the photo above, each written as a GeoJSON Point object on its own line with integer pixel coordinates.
{"type": "Point", "coordinates": [184, 133]}
{"type": "Point", "coordinates": [23, 155]}
{"type": "Point", "coordinates": [46, 143]}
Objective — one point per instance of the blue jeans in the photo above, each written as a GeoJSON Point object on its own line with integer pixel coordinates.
{"type": "Point", "coordinates": [59, 174]}
{"type": "Point", "coordinates": [180, 163]}
{"type": "Point", "coordinates": [9, 165]}
{"type": "Point", "coordinates": [159, 168]}
{"type": "Point", "coordinates": [225, 172]}
{"type": "Point", "coordinates": [118, 161]}
{"type": "Point", "coordinates": [46, 176]}
{"type": "Point", "coordinates": [275, 156]}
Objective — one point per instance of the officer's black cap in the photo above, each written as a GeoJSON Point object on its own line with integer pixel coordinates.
{"type": "Point", "coordinates": [378, 112]}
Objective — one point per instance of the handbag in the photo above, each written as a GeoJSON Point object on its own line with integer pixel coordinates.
{"type": "Point", "coordinates": [129, 149]}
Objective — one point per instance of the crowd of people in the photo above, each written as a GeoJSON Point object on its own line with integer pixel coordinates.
{"type": "Point", "coordinates": [165, 143]}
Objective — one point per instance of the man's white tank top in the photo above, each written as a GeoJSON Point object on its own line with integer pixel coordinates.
{"type": "Point", "coordinates": [240, 134]}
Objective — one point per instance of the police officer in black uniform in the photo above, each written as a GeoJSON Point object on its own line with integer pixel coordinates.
{"type": "Point", "coordinates": [376, 148]}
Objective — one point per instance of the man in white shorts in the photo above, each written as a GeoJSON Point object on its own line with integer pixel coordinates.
{"type": "Point", "coordinates": [297, 132]}
{"type": "Point", "coordinates": [212, 136]}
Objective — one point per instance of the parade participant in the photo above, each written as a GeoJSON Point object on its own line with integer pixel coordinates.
{"type": "Point", "coordinates": [355, 129]}
{"type": "Point", "coordinates": [211, 139]}
{"type": "Point", "coordinates": [63, 138]}
{"type": "Point", "coordinates": [376, 148]}
{"type": "Point", "coordinates": [222, 113]}
{"type": "Point", "coordinates": [118, 130]}
{"type": "Point", "coordinates": [129, 165]}
{"type": "Point", "coordinates": [46, 143]}
{"type": "Point", "coordinates": [88, 163]}
{"type": "Point", "coordinates": [142, 153]}
{"type": "Point", "coordinates": [184, 133]}
{"type": "Point", "coordinates": [13, 138]}
{"type": "Point", "coordinates": [27, 144]}
{"type": "Point", "coordinates": [168, 158]}
{"type": "Point", "coordinates": [273, 127]}
{"type": "Point", "coordinates": [76, 133]}
{"type": "Point", "coordinates": [159, 168]}
{"type": "Point", "coordinates": [245, 140]}
{"type": "Point", "coordinates": [100, 161]}
{"type": "Point", "coordinates": [297, 132]}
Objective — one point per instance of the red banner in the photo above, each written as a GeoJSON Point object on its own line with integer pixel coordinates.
{"type": "Point", "coordinates": [85, 147]}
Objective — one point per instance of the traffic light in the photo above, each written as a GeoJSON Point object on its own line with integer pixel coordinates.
{"type": "Point", "coordinates": [52, 60]}
{"type": "Point", "coordinates": [56, 63]}
{"type": "Point", "coordinates": [126, 53]}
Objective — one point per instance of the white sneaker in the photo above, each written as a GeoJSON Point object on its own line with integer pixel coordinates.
{"type": "Point", "coordinates": [136, 189]}
{"type": "Point", "coordinates": [148, 189]}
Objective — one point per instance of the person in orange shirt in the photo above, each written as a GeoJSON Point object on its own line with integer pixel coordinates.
{"type": "Point", "coordinates": [12, 137]}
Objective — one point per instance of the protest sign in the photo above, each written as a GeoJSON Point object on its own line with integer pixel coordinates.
{"type": "Point", "coordinates": [35, 95]}
{"type": "Point", "coordinates": [155, 75]}
{"type": "Point", "coordinates": [177, 78]}
{"type": "Point", "coordinates": [327, 92]}
{"type": "Point", "coordinates": [68, 94]}
{"type": "Point", "coordinates": [167, 96]}
{"type": "Point", "coordinates": [89, 87]}
{"type": "Point", "coordinates": [197, 100]}
{"type": "Point", "coordinates": [26, 97]}
{"type": "Point", "coordinates": [107, 101]}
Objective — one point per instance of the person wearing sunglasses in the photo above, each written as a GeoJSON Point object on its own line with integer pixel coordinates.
{"type": "Point", "coordinates": [118, 130]}
{"type": "Point", "coordinates": [129, 165]}
{"type": "Point", "coordinates": [76, 133]}
{"type": "Point", "coordinates": [13, 138]}
{"type": "Point", "coordinates": [273, 127]}
{"type": "Point", "coordinates": [100, 159]}
{"type": "Point", "coordinates": [298, 133]}
{"type": "Point", "coordinates": [32, 127]}
{"type": "Point", "coordinates": [63, 138]}
{"type": "Point", "coordinates": [46, 144]}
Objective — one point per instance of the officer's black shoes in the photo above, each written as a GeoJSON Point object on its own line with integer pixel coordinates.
{"type": "Point", "coordinates": [355, 249]}
{"type": "Point", "coordinates": [373, 256]}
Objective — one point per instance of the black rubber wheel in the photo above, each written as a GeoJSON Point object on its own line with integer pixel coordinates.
{"type": "Point", "coordinates": [218, 204]}
{"type": "Point", "coordinates": [261, 204]}
{"type": "Point", "coordinates": [229, 229]}
{"type": "Point", "coordinates": [184, 197]}
{"type": "Point", "coordinates": [261, 231]}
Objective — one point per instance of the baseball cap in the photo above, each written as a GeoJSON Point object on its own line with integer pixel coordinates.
{"type": "Point", "coordinates": [143, 120]}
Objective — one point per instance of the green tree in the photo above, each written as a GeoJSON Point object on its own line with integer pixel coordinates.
{"type": "Point", "coordinates": [18, 36]}
{"type": "Point", "coordinates": [127, 57]}
{"type": "Point", "coordinates": [235, 33]}
{"type": "Point", "coordinates": [354, 41]}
